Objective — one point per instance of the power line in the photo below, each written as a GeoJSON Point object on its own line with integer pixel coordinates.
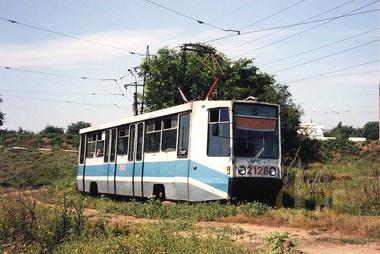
{"type": "Point", "coordinates": [326, 21]}
{"type": "Point", "coordinates": [72, 76]}
{"type": "Point", "coordinates": [57, 74]}
{"type": "Point", "coordinates": [65, 101]}
{"type": "Point", "coordinates": [304, 20]}
{"type": "Point", "coordinates": [320, 47]}
{"type": "Point", "coordinates": [272, 15]}
{"type": "Point", "coordinates": [350, 74]}
{"type": "Point", "coordinates": [63, 92]}
{"type": "Point", "coordinates": [233, 11]}
{"type": "Point", "coordinates": [331, 72]}
{"type": "Point", "coordinates": [192, 18]}
{"type": "Point", "coordinates": [12, 21]}
{"type": "Point", "coordinates": [327, 56]}
{"type": "Point", "coordinates": [294, 24]}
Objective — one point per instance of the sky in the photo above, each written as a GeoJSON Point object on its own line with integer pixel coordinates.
{"type": "Point", "coordinates": [332, 67]}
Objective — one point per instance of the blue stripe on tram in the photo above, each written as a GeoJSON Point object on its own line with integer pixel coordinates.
{"type": "Point", "coordinates": [177, 168]}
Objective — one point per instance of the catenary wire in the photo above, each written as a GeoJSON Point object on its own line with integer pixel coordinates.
{"type": "Point", "coordinates": [277, 31]}
{"type": "Point", "coordinates": [309, 29]}
{"type": "Point", "coordinates": [192, 18]}
{"type": "Point", "coordinates": [12, 21]}
{"type": "Point", "coordinates": [294, 24]}
{"type": "Point", "coordinates": [272, 15]}
{"type": "Point", "coordinates": [331, 72]}
{"type": "Point", "coordinates": [320, 47]}
{"type": "Point", "coordinates": [327, 56]}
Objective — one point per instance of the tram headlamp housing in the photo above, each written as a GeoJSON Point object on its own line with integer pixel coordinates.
{"type": "Point", "coordinates": [242, 170]}
{"type": "Point", "coordinates": [272, 171]}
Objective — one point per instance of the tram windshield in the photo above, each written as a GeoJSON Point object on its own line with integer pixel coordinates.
{"type": "Point", "coordinates": [256, 131]}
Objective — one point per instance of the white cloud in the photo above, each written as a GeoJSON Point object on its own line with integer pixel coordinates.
{"type": "Point", "coordinates": [66, 51]}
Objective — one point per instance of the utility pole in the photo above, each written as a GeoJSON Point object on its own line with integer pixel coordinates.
{"type": "Point", "coordinates": [135, 84]}
{"type": "Point", "coordinates": [143, 92]}
{"type": "Point", "coordinates": [379, 110]}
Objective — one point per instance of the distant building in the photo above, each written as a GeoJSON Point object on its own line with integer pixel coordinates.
{"type": "Point", "coordinates": [357, 139]}
{"type": "Point", "coordinates": [313, 130]}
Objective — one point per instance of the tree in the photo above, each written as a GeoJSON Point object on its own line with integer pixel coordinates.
{"type": "Point", "coordinates": [170, 69]}
{"type": "Point", "coordinates": [2, 116]}
{"type": "Point", "coordinates": [52, 129]}
{"type": "Point", "coordinates": [371, 130]}
{"type": "Point", "coordinates": [74, 128]}
{"type": "Point", "coordinates": [342, 132]}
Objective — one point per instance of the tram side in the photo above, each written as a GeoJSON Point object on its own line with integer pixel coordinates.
{"type": "Point", "coordinates": [165, 153]}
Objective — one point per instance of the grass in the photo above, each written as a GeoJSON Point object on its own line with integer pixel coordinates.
{"type": "Point", "coordinates": [352, 184]}
{"type": "Point", "coordinates": [25, 228]}
{"type": "Point", "coordinates": [33, 168]}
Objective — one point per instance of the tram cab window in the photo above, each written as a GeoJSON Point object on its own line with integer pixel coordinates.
{"type": "Point", "coordinates": [122, 146]}
{"type": "Point", "coordinates": [218, 144]}
{"type": "Point", "coordinates": [169, 134]}
{"type": "Point", "coordinates": [95, 145]}
{"type": "Point", "coordinates": [153, 136]}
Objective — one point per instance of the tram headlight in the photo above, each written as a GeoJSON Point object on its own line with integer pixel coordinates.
{"type": "Point", "coordinates": [242, 170]}
{"type": "Point", "coordinates": [272, 171]}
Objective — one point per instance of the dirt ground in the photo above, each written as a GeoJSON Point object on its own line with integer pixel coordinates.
{"type": "Point", "coordinates": [250, 235]}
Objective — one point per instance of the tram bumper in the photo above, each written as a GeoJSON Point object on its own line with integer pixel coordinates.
{"type": "Point", "coordinates": [262, 189]}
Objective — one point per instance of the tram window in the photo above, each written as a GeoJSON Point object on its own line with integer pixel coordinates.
{"type": "Point", "coordinates": [218, 144]}
{"type": "Point", "coordinates": [153, 136]}
{"type": "Point", "coordinates": [106, 146]}
{"type": "Point", "coordinates": [140, 135]}
{"type": "Point", "coordinates": [82, 146]}
{"type": "Point", "coordinates": [183, 137]}
{"type": "Point", "coordinates": [95, 145]}
{"type": "Point", "coordinates": [122, 146]}
{"type": "Point", "coordinates": [131, 143]}
{"type": "Point", "coordinates": [214, 115]}
{"type": "Point", "coordinates": [100, 148]}
{"type": "Point", "coordinates": [169, 134]}
{"type": "Point", "coordinates": [113, 145]}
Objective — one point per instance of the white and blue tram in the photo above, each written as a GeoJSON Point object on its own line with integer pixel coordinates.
{"type": "Point", "coordinates": [198, 151]}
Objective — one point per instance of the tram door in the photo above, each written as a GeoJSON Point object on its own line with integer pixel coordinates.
{"type": "Point", "coordinates": [110, 159]}
{"type": "Point", "coordinates": [137, 156]}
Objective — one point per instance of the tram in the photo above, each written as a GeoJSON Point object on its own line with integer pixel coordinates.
{"type": "Point", "coordinates": [198, 151]}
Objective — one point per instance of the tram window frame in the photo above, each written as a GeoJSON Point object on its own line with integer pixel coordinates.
{"type": "Point", "coordinates": [131, 146]}
{"type": "Point", "coordinates": [123, 139]}
{"type": "Point", "coordinates": [153, 129]}
{"type": "Point", "coordinates": [140, 141]}
{"type": "Point", "coordinates": [168, 132]}
{"type": "Point", "coordinates": [93, 141]}
{"type": "Point", "coordinates": [82, 153]}
{"type": "Point", "coordinates": [214, 147]}
{"type": "Point", "coordinates": [183, 135]}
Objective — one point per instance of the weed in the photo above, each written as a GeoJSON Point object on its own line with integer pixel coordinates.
{"type": "Point", "coordinates": [278, 243]}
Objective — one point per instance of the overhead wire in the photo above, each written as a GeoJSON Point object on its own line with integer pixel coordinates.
{"type": "Point", "coordinates": [12, 21]}
{"type": "Point", "coordinates": [331, 72]}
{"type": "Point", "coordinates": [327, 56]}
{"type": "Point", "coordinates": [57, 74]}
{"type": "Point", "coordinates": [64, 101]}
{"type": "Point", "coordinates": [62, 92]}
{"type": "Point", "coordinates": [272, 15]}
{"type": "Point", "coordinates": [320, 47]}
{"type": "Point", "coordinates": [201, 22]}
{"type": "Point", "coordinates": [295, 24]}
{"type": "Point", "coordinates": [326, 21]}
{"type": "Point", "coordinates": [277, 31]}
{"type": "Point", "coordinates": [115, 80]}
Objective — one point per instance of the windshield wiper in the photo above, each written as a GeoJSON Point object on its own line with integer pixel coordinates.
{"type": "Point", "coordinates": [259, 153]}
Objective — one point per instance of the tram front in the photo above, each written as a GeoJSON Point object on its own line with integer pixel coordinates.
{"type": "Point", "coordinates": [256, 152]}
